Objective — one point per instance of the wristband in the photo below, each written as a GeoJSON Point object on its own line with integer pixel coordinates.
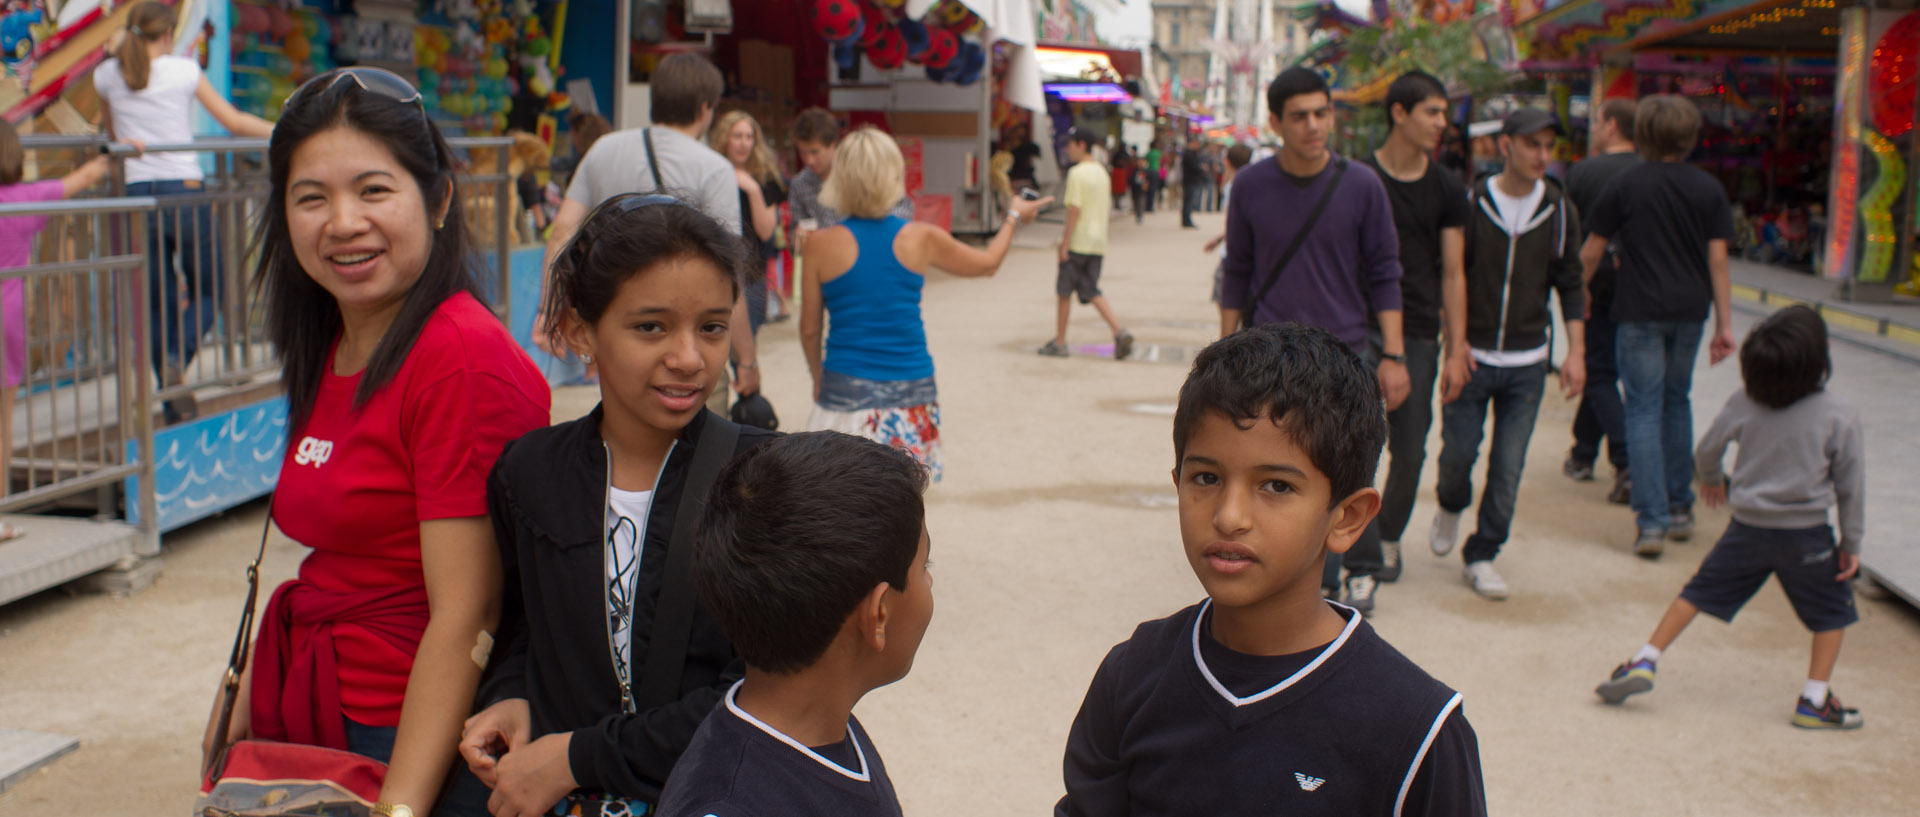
{"type": "Point", "coordinates": [1014, 216]}
{"type": "Point", "coordinates": [1400, 359]}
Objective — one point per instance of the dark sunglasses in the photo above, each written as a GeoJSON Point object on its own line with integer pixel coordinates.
{"type": "Point", "coordinates": [373, 80]}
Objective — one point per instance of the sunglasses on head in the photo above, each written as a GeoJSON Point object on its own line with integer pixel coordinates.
{"type": "Point", "coordinates": [370, 79]}
{"type": "Point", "coordinates": [629, 202]}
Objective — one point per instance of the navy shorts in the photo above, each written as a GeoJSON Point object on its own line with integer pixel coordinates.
{"type": "Point", "coordinates": [1079, 275]}
{"type": "Point", "coordinates": [1806, 560]}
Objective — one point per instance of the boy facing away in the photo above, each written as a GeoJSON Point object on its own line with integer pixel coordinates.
{"type": "Point", "coordinates": [1265, 698]}
{"type": "Point", "coordinates": [1801, 452]}
{"type": "Point", "coordinates": [812, 557]}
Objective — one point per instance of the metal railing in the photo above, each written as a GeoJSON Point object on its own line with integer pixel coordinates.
{"type": "Point", "coordinates": [102, 321]}
{"type": "Point", "coordinates": [84, 392]}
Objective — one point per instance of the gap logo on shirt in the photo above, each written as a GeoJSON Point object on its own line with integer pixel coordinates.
{"type": "Point", "coordinates": [313, 452]}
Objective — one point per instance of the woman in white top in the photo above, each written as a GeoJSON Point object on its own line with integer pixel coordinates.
{"type": "Point", "coordinates": [148, 93]}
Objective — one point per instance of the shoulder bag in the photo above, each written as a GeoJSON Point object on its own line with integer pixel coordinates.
{"type": "Point", "coordinates": [257, 778]}
{"type": "Point", "coordinates": [1306, 227]}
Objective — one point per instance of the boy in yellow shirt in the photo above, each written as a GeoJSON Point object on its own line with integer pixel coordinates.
{"type": "Point", "coordinates": [1084, 245]}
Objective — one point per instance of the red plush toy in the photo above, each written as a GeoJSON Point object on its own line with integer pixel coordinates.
{"type": "Point", "coordinates": [837, 20]}
{"type": "Point", "coordinates": [942, 47]}
{"type": "Point", "coordinates": [875, 24]}
{"type": "Point", "coordinates": [889, 51]}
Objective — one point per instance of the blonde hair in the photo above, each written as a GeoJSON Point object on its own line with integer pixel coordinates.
{"type": "Point", "coordinates": [869, 175]}
{"type": "Point", "coordinates": [760, 162]}
{"type": "Point", "coordinates": [146, 23]}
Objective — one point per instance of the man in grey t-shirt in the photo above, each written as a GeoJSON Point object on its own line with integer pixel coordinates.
{"type": "Point", "coordinates": [686, 87]}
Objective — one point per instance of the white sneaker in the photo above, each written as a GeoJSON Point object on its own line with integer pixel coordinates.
{"type": "Point", "coordinates": [1445, 532]}
{"type": "Point", "coordinates": [1485, 580]}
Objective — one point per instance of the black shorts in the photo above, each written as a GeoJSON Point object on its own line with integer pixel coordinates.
{"type": "Point", "coordinates": [1079, 274]}
{"type": "Point", "coordinates": [1806, 560]}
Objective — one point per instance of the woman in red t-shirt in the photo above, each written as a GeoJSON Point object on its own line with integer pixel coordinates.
{"type": "Point", "coordinates": [402, 388]}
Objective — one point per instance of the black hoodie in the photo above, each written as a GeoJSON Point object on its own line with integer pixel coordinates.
{"type": "Point", "coordinates": [547, 497]}
{"type": "Point", "coordinates": [1509, 277]}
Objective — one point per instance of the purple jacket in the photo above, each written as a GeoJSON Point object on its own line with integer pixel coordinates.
{"type": "Point", "coordinates": [1348, 267]}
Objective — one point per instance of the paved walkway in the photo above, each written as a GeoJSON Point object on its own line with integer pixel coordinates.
{"type": "Point", "coordinates": [1055, 533]}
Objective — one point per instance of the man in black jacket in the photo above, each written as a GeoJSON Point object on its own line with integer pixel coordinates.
{"type": "Point", "coordinates": [1522, 244]}
{"type": "Point", "coordinates": [1601, 411]}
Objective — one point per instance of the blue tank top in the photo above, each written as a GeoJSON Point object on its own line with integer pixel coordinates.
{"type": "Point", "coordinates": [874, 329]}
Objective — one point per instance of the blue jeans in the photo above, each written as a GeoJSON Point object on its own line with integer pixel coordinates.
{"type": "Point", "coordinates": [184, 293]}
{"type": "Point", "coordinates": [463, 796]}
{"type": "Point", "coordinates": [1656, 370]}
{"type": "Point", "coordinates": [1514, 393]}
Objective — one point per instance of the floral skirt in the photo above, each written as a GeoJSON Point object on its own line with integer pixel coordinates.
{"type": "Point", "coordinates": [915, 429]}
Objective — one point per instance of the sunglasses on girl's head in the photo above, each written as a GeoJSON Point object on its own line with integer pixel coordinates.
{"type": "Point", "coordinates": [633, 201]}
{"type": "Point", "coordinates": [373, 80]}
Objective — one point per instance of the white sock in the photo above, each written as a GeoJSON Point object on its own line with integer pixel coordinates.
{"type": "Point", "coordinates": [1815, 692]}
{"type": "Point", "coordinates": [1647, 652]}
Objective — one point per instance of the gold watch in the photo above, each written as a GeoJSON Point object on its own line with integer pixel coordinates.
{"type": "Point", "coordinates": [393, 809]}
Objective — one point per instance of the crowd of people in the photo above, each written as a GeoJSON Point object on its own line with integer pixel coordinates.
{"type": "Point", "coordinates": [657, 609]}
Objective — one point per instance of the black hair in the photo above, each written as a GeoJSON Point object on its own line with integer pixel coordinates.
{"type": "Point", "coordinates": [303, 319]}
{"type": "Point", "coordinates": [1291, 83]}
{"type": "Point", "coordinates": [1785, 358]}
{"type": "Point", "coordinates": [614, 244]}
{"type": "Point", "coordinates": [1239, 155]}
{"type": "Point", "coordinates": [796, 532]}
{"type": "Point", "coordinates": [1084, 137]}
{"type": "Point", "coordinates": [1304, 380]}
{"type": "Point", "coordinates": [1410, 89]}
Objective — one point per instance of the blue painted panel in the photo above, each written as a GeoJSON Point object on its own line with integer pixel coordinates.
{"type": "Point", "coordinates": [525, 277]}
{"type": "Point", "coordinates": [213, 463]}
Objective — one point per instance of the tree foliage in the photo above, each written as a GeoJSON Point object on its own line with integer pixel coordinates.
{"type": "Point", "coordinates": [1448, 50]}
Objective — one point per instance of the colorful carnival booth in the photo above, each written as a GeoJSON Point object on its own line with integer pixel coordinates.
{"type": "Point", "coordinates": [1762, 73]}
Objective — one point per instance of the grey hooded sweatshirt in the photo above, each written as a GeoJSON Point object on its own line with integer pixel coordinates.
{"type": "Point", "coordinates": [1794, 463]}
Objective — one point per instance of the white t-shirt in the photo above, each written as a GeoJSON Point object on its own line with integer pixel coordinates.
{"type": "Point", "coordinates": [1514, 213]}
{"type": "Point", "coordinates": [626, 530]}
{"type": "Point", "coordinates": [157, 114]}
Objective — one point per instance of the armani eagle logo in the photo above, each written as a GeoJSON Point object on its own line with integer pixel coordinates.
{"type": "Point", "coordinates": [1308, 783]}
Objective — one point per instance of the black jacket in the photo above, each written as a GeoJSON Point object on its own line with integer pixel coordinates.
{"type": "Point", "coordinates": [1510, 277]}
{"type": "Point", "coordinates": [547, 498]}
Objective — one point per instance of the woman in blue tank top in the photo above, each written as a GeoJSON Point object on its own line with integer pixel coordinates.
{"type": "Point", "coordinates": [874, 376]}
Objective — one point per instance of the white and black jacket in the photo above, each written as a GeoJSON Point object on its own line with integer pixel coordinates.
{"type": "Point", "coordinates": [1509, 276]}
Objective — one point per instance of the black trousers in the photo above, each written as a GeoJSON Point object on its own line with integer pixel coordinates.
{"type": "Point", "coordinates": [1602, 413]}
{"type": "Point", "coordinates": [1407, 428]}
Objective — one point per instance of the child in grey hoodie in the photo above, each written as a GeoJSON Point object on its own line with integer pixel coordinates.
{"type": "Point", "coordinates": [1801, 452]}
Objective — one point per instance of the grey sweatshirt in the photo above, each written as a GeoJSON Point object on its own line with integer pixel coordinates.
{"type": "Point", "coordinates": [1794, 463]}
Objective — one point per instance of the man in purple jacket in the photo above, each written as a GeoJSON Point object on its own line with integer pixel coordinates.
{"type": "Point", "coordinates": [1347, 261]}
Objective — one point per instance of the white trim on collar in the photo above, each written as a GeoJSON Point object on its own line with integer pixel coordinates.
{"type": "Point", "coordinates": [864, 775]}
{"type": "Point", "coordinates": [1353, 622]}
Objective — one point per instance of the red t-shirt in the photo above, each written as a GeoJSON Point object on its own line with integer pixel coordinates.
{"type": "Point", "coordinates": [356, 484]}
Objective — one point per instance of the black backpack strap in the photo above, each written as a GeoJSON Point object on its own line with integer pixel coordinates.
{"type": "Point", "coordinates": [653, 162]}
{"type": "Point", "coordinates": [673, 616]}
{"type": "Point", "coordinates": [1299, 238]}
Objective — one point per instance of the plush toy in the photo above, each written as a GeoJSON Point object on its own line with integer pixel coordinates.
{"type": "Point", "coordinates": [875, 25]}
{"type": "Point", "coordinates": [942, 47]}
{"type": "Point", "coordinates": [837, 21]}
{"type": "Point", "coordinates": [889, 52]}
{"type": "Point", "coordinates": [915, 35]}
{"type": "Point", "coordinates": [970, 64]}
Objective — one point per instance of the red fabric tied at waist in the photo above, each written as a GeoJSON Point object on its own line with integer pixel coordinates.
{"type": "Point", "coordinates": [296, 687]}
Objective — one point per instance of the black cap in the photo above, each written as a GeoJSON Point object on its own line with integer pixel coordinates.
{"type": "Point", "coordinates": [1531, 120]}
{"type": "Point", "coordinates": [754, 410]}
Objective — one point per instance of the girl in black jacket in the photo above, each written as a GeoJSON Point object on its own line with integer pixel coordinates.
{"type": "Point", "coordinates": [577, 705]}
